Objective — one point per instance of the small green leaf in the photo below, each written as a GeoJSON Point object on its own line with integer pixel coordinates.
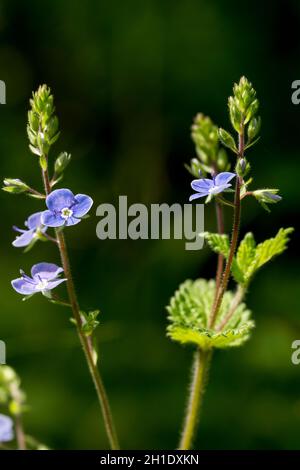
{"type": "Point", "coordinates": [217, 242]}
{"type": "Point", "coordinates": [90, 321]}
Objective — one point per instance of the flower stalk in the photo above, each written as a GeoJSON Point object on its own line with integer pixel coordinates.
{"type": "Point", "coordinates": [199, 378]}
{"type": "Point", "coordinates": [84, 341]}
{"type": "Point", "coordinates": [235, 234]}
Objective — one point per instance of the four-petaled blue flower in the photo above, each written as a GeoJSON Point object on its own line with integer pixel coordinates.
{"type": "Point", "coordinates": [64, 208]}
{"type": "Point", "coordinates": [34, 227]}
{"type": "Point", "coordinates": [210, 187]}
{"type": "Point", "coordinates": [44, 277]}
{"type": "Point", "coordinates": [6, 428]}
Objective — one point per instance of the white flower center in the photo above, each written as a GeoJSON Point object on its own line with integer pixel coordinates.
{"type": "Point", "coordinates": [214, 190]}
{"type": "Point", "coordinates": [66, 213]}
{"type": "Point", "coordinates": [42, 284]}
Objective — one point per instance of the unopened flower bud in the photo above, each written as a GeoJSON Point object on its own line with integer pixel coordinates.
{"type": "Point", "coordinates": [227, 139]}
{"type": "Point", "coordinates": [15, 186]}
{"type": "Point", "coordinates": [61, 163]}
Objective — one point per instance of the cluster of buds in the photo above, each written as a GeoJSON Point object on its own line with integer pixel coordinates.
{"type": "Point", "coordinates": [211, 158]}
{"type": "Point", "coordinates": [243, 106]}
{"type": "Point", "coordinates": [42, 127]}
{"type": "Point", "coordinates": [11, 394]}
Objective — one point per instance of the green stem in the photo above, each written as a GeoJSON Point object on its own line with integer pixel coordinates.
{"type": "Point", "coordinates": [20, 436]}
{"type": "Point", "coordinates": [85, 343]}
{"type": "Point", "coordinates": [199, 377]}
{"type": "Point", "coordinates": [86, 346]}
{"type": "Point", "coordinates": [220, 264]}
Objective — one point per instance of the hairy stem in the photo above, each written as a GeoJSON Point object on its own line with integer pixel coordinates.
{"type": "Point", "coordinates": [199, 377]}
{"type": "Point", "coordinates": [220, 264]}
{"type": "Point", "coordinates": [234, 239]}
{"type": "Point", "coordinates": [84, 341]}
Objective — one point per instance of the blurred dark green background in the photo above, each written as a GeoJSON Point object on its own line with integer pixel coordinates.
{"type": "Point", "coordinates": [128, 78]}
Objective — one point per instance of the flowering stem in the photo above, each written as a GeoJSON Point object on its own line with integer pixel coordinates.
{"type": "Point", "coordinates": [20, 436]}
{"type": "Point", "coordinates": [220, 264]}
{"type": "Point", "coordinates": [247, 193]}
{"type": "Point", "coordinates": [234, 238]}
{"type": "Point", "coordinates": [224, 201]}
{"type": "Point", "coordinates": [199, 377]}
{"type": "Point", "coordinates": [85, 343]}
{"type": "Point", "coordinates": [51, 239]}
{"type": "Point", "coordinates": [36, 193]}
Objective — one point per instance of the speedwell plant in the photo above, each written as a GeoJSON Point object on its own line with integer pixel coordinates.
{"type": "Point", "coordinates": [61, 209]}
{"type": "Point", "coordinates": [205, 313]}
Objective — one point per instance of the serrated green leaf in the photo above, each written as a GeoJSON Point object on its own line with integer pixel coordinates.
{"type": "Point", "coordinates": [189, 311]}
{"type": "Point", "coordinates": [268, 249]}
{"type": "Point", "coordinates": [246, 252]}
{"type": "Point", "coordinates": [219, 243]}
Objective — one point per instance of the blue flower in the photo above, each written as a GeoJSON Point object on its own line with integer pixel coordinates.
{"type": "Point", "coordinates": [44, 277]}
{"type": "Point", "coordinates": [65, 208]}
{"type": "Point", "coordinates": [34, 226]}
{"type": "Point", "coordinates": [210, 187]}
{"type": "Point", "coordinates": [6, 428]}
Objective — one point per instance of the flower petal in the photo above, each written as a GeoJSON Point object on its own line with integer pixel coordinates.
{"type": "Point", "coordinates": [24, 239]}
{"type": "Point", "coordinates": [6, 428]}
{"type": "Point", "coordinates": [22, 286]}
{"type": "Point", "coordinates": [202, 185]}
{"type": "Point", "coordinates": [50, 219]}
{"type": "Point", "coordinates": [52, 284]}
{"type": "Point", "coordinates": [219, 189]}
{"type": "Point", "coordinates": [83, 205]}
{"type": "Point", "coordinates": [72, 221]}
{"type": "Point", "coordinates": [197, 195]}
{"type": "Point", "coordinates": [47, 271]}
{"type": "Point", "coordinates": [224, 178]}
{"type": "Point", "coordinates": [34, 221]}
{"type": "Point", "coordinates": [59, 199]}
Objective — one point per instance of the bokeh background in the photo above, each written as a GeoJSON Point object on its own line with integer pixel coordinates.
{"type": "Point", "coordinates": [128, 78]}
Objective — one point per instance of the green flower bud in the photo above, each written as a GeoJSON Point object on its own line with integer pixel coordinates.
{"type": "Point", "coordinates": [15, 186]}
{"type": "Point", "coordinates": [251, 111]}
{"type": "Point", "coordinates": [227, 140]}
{"type": "Point", "coordinates": [62, 162]}
{"type": "Point", "coordinates": [253, 128]}
{"type": "Point", "coordinates": [242, 167]}
{"type": "Point", "coordinates": [267, 196]}
{"type": "Point", "coordinates": [33, 120]}
{"type": "Point", "coordinates": [222, 160]}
